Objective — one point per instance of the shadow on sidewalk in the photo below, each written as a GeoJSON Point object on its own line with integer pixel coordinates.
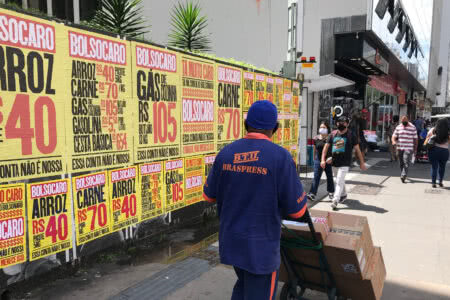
{"type": "Point", "coordinates": [351, 204]}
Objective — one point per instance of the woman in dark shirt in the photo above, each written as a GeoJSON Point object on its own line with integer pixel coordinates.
{"type": "Point", "coordinates": [319, 142]}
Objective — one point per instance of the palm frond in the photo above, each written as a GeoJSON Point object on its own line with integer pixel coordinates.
{"type": "Point", "coordinates": [188, 28]}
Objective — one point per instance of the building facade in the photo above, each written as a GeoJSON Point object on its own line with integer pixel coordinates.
{"type": "Point", "coordinates": [372, 60]}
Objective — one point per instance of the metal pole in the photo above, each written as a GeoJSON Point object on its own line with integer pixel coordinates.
{"type": "Point", "coordinates": [25, 4]}
{"type": "Point", "coordinates": [76, 11]}
{"type": "Point", "coordinates": [50, 8]}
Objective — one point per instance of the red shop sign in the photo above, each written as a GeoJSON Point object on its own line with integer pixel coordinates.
{"type": "Point", "coordinates": [384, 84]}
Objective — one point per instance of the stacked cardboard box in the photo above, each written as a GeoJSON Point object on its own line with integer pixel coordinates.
{"type": "Point", "coordinates": [357, 265]}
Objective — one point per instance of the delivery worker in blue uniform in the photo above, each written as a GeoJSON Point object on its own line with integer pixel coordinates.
{"type": "Point", "coordinates": [255, 185]}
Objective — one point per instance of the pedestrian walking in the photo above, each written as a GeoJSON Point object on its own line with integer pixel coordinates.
{"type": "Point", "coordinates": [438, 153]}
{"type": "Point", "coordinates": [319, 143]}
{"type": "Point", "coordinates": [391, 129]}
{"type": "Point", "coordinates": [255, 184]}
{"type": "Point", "coordinates": [405, 139]}
{"type": "Point", "coordinates": [342, 143]}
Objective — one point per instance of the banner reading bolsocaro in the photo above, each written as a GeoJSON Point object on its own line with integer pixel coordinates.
{"type": "Point", "coordinates": [270, 84]}
{"type": "Point", "coordinates": [152, 190]}
{"type": "Point", "coordinates": [49, 218]}
{"type": "Point", "coordinates": [99, 116]}
{"type": "Point", "coordinates": [260, 87]}
{"type": "Point", "coordinates": [31, 98]}
{"type": "Point", "coordinates": [13, 249]}
{"type": "Point", "coordinates": [157, 135]}
{"type": "Point", "coordinates": [125, 197]}
{"type": "Point", "coordinates": [198, 79]}
{"type": "Point", "coordinates": [279, 93]}
{"type": "Point", "coordinates": [193, 178]}
{"type": "Point", "coordinates": [249, 90]}
{"type": "Point", "coordinates": [92, 203]}
{"type": "Point", "coordinates": [229, 108]}
{"type": "Point", "coordinates": [287, 96]}
{"type": "Point", "coordinates": [295, 96]}
{"type": "Point", "coordinates": [174, 176]}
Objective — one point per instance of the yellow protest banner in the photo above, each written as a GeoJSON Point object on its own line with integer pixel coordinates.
{"type": "Point", "coordinates": [270, 86]}
{"type": "Point", "coordinates": [13, 243]}
{"type": "Point", "coordinates": [229, 108]}
{"type": "Point", "coordinates": [287, 96]}
{"type": "Point", "coordinates": [99, 113]}
{"type": "Point", "coordinates": [260, 87]}
{"type": "Point", "coordinates": [208, 161]}
{"type": "Point", "coordinates": [32, 99]}
{"type": "Point", "coordinates": [125, 197]}
{"type": "Point", "coordinates": [279, 93]}
{"type": "Point", "coordinates": [287, 129]}
{"type": "Point", "coordinates": [294, 152]}
{"type": "Point", "coordinates": [49, 218]}
{"type": "Point", "coordinates": [193, 179]}
{"type": "Point", "coordinates": [295, 96]}
{"type": "Point", "coordinates": [175, 190]}
{"type": "Point", "coordinates": [152, 190]}
{"type": "Point", "coordinates": [249, 90]}
{"type": "Point", "coordinates": [294, 129]}
{"type": "Point", "coordinates": [157, 89]}
{"type": "Point", "coordinates": [91, 207]}
{"type": "Point", "coordinates": [277, 138]}
{"type": "Point", "coordinates": [199, 101]}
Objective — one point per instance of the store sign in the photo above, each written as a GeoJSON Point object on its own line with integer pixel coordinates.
{"type": "Point", "coordinates": [384, 84]}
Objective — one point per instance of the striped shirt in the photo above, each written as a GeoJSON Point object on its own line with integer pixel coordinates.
{"type": "Point", "coordinates": [406, 135]}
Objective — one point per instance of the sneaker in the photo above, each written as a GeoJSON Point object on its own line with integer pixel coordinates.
{"type": "Point", "coordinates": [343, 198]}
{"type": "Point", "coordinates": [331, 195]}
{"type": "Point", "coordinates": [334, 205]}
{"type": "Point", "coordinates": [441, 184]}
{"type": "Point", "coordinates": [403, 178]}
{"type": "Point", "coordinates": [311, 197]}
{"type": "Point", "coordinates": [433, 185]}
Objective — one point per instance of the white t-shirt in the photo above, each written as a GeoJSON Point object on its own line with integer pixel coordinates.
{"type": "Point", "coordinates": [444, 145]}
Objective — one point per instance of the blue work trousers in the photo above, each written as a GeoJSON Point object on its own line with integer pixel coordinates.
{"type": "Point", "coordinates": [251, 286]}
{"type": "Point", "coordinates": [438, 157]}
{"type": "Point", "coordinates": [318, 174]}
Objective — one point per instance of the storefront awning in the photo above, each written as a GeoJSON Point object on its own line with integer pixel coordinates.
{"type": "Point", "coordinates": [327, 82]}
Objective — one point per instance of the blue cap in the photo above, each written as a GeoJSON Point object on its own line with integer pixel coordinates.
{"type": "Point", "coordinates": [262, 115]}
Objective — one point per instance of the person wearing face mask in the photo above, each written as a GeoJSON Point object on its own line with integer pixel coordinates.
{"type": "Point", "coordinates": [405, 137]}
{"type": "Point", "coordinates": [319, 143]}
{"type": "Point", "coordinates": [342, 142]}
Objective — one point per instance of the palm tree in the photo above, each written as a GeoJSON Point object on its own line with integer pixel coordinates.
{"type": "Point", "coordinates": [188, 28]}
{"type": "Point", "coordinates": [122, 17]}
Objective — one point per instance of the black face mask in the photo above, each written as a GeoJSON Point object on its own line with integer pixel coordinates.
{"type": "Point", "coordinates": [405, 123]}
{"type": "Point", "coordinates": [341, 127]}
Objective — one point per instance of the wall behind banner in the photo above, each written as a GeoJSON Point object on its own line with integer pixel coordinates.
{"type": "Point", "coordinates": [108, 135]}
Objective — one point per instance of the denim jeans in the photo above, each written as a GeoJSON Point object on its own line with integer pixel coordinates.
{"type": "Point", "coordinates": [438, 157]}
{"type": "Point", "coordinates": [318, 174]}
{"type": "Point", "coordinates": [404, 158]}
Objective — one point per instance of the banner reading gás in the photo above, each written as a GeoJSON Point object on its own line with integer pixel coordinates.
{"type": "Point", "coordinates": [174, 176]}
{"type": "Point", "coordinates": [125, 199]}
{"type": "Point", "coordinates": [249, 90]}
{"type": "Point", "coordinates": [193, 174]}
{"type": "Point", "coordinates": [229, 108]}
{"type": "Point", "coordinates": [270, 82]}
{"type": "Point", "coordinates": [198, 110]}
{"type": "Point", "coordinates": [157, 135]}
{"type": "Point", "coordinates": [279, 93]}
{"type": "Point", "coordinates": [13, 249]}
{"type": "Point", "coordinates": [49, 218]}
{"type": "Point", "coordinates": [260, 87]}
{"type": "Point", "coordinates": [31, 114]}
{"type": "Point", "coordinates": [99, 116]}
{"type": "Point", "coordinates": [152, 190]}
{"type": "Point", "coordinates": [92, 203]}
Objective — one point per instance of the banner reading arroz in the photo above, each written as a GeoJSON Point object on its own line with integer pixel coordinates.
{"type": "Point", "coordinates": [157, 135]}
{"type": "Point", "coordinates": [152, 190]}
{"type": "Point", "coordinates": [199, 101]}
{"type": "Point", "coordinates": [193, 179]}
{"type": "Point", "coordinates": [99, 116]}
{"type": "Point", "coordinates": [49, 218]}
{"type": "Point", "coordinates": [260, 87]}
{"type": "Point", "coordinates": [31, 100]}
{"type": "Point", "coordinates": [270, 85]}
{"type": "Point", "coordinates": [295, 96]}
{"type": "Point", "coordinates": [287, 96]}
{"type": "Point", "coordinates": [92, 207]}
{"type": "Point", "coordinates": [279, 93]}
{"type": "Point", "coordinates": [13, 244]}
{"type": "Point", "coordinates": [174, 177]}
{"type": "Point", "coordinates": [125, 197]}
{"type": "Point", "coordinates": [249, 90]}
{"type": "Point", "coordinates": [229, 108]}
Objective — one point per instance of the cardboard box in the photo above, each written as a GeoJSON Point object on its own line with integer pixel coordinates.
{"type": "Point", "coordinates": [322, 225]}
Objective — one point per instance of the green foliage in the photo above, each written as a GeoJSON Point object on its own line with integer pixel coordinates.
{"type": "Point", "coordinates": [188, 28]}
{"type": "Point", "coordinates": [122, 17]}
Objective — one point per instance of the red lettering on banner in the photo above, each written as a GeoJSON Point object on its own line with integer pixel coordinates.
{"type": "Point", "coordinates": [155, 59]}
{"type": "Point", "coordinates": [197, 111]}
